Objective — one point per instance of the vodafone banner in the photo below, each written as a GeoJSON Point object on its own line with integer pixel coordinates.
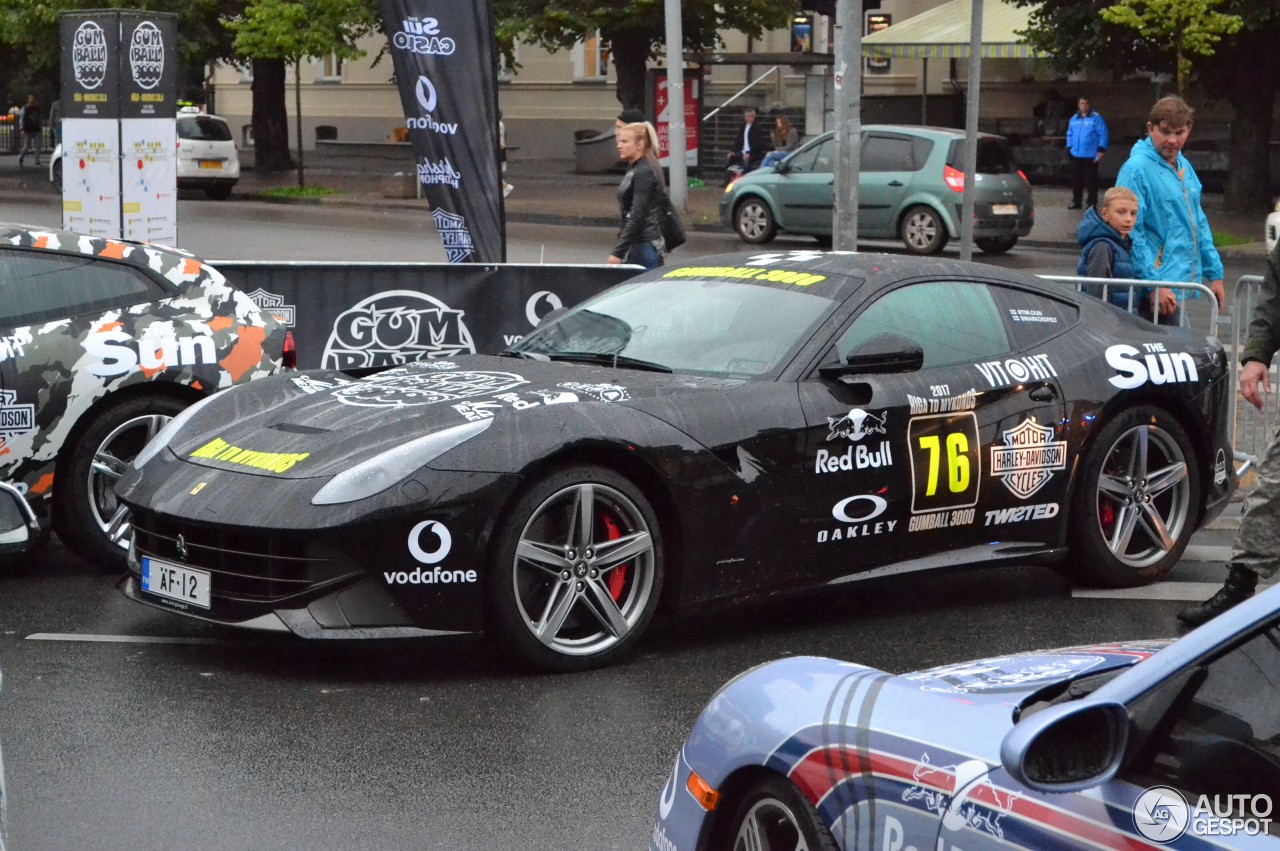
{"type": "Point", "coordinates": [446, 70]}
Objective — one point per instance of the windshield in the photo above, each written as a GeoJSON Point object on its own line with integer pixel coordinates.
{"type": "Point", "coordinates": [721, 328]}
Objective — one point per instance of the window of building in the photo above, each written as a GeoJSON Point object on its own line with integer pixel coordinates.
{"type": "Point", "coordinates": [329, 69]}
{"type": "Point", "coordinates": [591, 58]}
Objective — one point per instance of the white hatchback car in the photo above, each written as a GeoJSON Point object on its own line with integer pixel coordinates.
{"type": "Point", "coordinates": [207, 156]}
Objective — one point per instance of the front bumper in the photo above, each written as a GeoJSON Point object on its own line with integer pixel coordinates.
{"type": "Point", "coordinates": [363, 610]}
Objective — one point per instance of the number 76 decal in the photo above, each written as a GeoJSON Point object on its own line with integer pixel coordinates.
{"type": "Point", "coordinates": [946, 464]}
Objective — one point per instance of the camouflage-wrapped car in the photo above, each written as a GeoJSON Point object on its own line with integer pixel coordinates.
{"type": "Point", "coordinates": [102, 342]}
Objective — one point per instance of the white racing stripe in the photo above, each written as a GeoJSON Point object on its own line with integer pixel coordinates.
{"type": "Point", "coordinates": [122, 639]}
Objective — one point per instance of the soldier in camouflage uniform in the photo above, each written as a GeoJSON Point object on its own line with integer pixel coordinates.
{"type": "Point", "coordinates": [1255, 553]}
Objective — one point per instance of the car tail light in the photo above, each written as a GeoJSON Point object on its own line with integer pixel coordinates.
{"type": "Point", "coordinates": [289, 354]}
{"type": "Point", "coordinates": [1024, 177]}
{"type": "Point", "coordinates": [953, 178]}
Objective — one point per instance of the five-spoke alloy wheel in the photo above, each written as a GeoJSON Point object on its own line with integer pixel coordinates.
{"type": "Point", "coordinates": [578, 570]}
{"type": "Point", "coordinates": [753, 220]}
{"type": "Point", "coordinates": [773, 816]}
{"type": "Point", "coordinates": [1134, 508]}
{"type": "Point", "coordinates": [89, 518]}
{"type": "Point", "coordinates": [922, 231]}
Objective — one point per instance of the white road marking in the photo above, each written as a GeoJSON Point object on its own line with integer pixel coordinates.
{"type": "Point", "coordinates": [121, 639]}
{"type": "Point", "coordinates": [1216, 553]}
{"type": "Point", "coordinates": [1188, 591]}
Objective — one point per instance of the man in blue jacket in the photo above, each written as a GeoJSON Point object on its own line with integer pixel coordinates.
{"type": "Point", "coordinates": [1086, 145]}
{"type": "Point", "coordinates": [1172, 240]}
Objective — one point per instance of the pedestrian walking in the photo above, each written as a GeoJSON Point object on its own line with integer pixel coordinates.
{"type": "Point", "coordinates": [1086, 145]}
{"type": "Point", "coordinates": [30, 125]}
{"type": "Point", "coordinates": [1171, 240]}
{"type": "Point", "coordinates": [630, 115]}
{"type": "Point", "coordinates": [640, 197]}
{"type": "Point", "coordinates": [1255, 552]}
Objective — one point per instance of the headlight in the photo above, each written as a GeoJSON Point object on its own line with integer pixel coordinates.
{"type": "Point", "coordinates": [162, 438]}
{"type": "Point", "coordinates": [728, 187]}
{"type": "Point", "coordinates": [382, 471]}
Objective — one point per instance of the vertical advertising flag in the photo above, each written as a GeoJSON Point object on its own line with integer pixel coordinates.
{"type": "Point", "coordinates": [444, 58]}
{"type": "Point", "coordinates": [89, 44]}
{"type": "Point", "coordinates": [148, 141]}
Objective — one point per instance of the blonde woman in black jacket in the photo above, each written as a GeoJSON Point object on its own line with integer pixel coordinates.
{"type": "Point", "coordinates": [639, 198]}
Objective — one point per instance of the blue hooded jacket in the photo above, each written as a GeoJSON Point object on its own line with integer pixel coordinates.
{"type": "Point", "coordinates": [1172, 240]}
{"type": "Point", "coordinates": [1086, 135]}
{"type": "Point", "coordinates": [1095, 234]}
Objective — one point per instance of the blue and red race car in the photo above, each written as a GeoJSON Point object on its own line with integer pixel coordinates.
{"type": "Point", "coordinates": [1125, 745]}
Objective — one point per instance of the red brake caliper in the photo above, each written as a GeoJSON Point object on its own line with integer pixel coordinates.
{"type": "Point", "coordinates": [618, 577]}
{"type": "Point", "coordinates": [1107, 513]}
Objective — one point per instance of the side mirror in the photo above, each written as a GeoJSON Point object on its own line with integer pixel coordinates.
{"type": "Point", "coordinates": [17, 521]}
{"type": "Point", "coordinates": [1067, 748]}
{"type": "Point", "coordinates": [883, 353]}
{"type": "Point", "coordinates": [781, 167]}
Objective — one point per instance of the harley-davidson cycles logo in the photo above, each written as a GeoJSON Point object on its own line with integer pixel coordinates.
{"type": "Point", "coordinates": [146, 55]}
{"type": "Point", "coordinates": [454, 235]}
{"type": "Point", "coordinates": [15, 419]}
{"type": "Point", "coordinates": [274, 304]}
{"type": "Point", "coordinates": [408, 388]}
{"type": "Point", "coordinates": [89, 55]}
{"type": "Point", "coordinates": [1027, 460]}
{"type": "Point", "coordinates": [393, 328]}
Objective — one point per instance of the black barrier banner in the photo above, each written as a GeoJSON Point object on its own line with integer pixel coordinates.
{"type": "Point", "coordinates": [443, 52]}
{"type": "Point", "coordinates": [354, 316]}
{"type": "Point", "coordinates": [148, 64]}
{"type": "Point", "coordinates": [89, 42]}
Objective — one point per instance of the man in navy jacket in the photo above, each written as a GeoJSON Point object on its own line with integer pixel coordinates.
{"type": "Point", "coordinates": [1086, 143]}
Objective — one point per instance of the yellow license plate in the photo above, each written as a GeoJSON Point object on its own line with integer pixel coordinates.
{"type": "Point", "coordinates": [210, 163]}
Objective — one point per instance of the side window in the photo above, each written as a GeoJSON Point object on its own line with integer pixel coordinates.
{"type": "Point", "coordinates": [1033, 318]}
{"type": "Point", "coordinates": [886, 153]}
{"type": "Point", "coordinates": [37, 287]}
{"type": "Point", "coordinates": [953, 321]}
{"type": "Point", "coordinates": [1223, 739]}
{"type": "Point", "coordinates": [814, 159]}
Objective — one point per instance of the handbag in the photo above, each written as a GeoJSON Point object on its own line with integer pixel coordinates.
{"type": "Point", "coordinates": [670, 225]}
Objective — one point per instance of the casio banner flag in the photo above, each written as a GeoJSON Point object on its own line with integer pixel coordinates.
{"type": "Point", "coordinates": [445, 63]}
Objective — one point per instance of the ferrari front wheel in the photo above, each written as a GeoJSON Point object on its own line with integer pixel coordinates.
{"type": "Point", "coordinates": [773, 816]}
{"type": "Point", "coordinates": [1134, 508]}
{"type": "Point", "coordinates": [577, 570]}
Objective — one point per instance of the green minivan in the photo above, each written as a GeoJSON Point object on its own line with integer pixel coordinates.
{"type": "Point", "coordinates": [910, 188]}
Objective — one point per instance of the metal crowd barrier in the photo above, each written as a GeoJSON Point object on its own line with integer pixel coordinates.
{"type": "Point", "coordinates": [1250, 429]}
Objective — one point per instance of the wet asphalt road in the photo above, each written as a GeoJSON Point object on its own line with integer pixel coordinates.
{"type": "Point", "coordinates": [215, 739]}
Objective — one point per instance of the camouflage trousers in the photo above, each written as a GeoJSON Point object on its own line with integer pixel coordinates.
{"type": "Point", "coordinates": [1257, 544]}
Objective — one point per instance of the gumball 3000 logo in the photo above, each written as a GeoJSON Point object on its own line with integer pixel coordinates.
{"type": "Point", "coordinates": [89, 55]}
{"type": "Point", "coordinates": [146, 55]}
{"type": "Point", "coordinates": [394, 328]}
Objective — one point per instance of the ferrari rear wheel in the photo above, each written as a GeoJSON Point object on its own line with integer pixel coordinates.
{"type": "Point", "coordinates": [577, 571]}
{"type": "Point", "coordinates": [1134, 508]}
{"type": "Point", "coordinates": [87, 516]}
{"type": "Point", "coordinates": [774, 816]}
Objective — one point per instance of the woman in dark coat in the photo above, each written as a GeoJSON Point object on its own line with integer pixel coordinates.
{"type": "Point", "coordinates": [639, 198]}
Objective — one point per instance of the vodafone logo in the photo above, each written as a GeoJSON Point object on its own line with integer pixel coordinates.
{"type": "Point", "coordinates": [532, 308]}
{"type": "Point", "coordinates": [442, 542]}
{"type": "Point", "coordinates": [426, 94]}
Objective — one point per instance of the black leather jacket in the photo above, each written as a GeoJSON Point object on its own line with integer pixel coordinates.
{"type": "Point", "coordinates": [639, 203]}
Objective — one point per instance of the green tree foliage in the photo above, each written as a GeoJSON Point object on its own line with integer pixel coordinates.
{"type": "Point", "coordinates": [634, 29]}
{"type": "Point", "coordinates": [1190, 28]}
{"type": "Point", "coordinates": [276, 33]}
{"type": "Point", "coordinates": [1243, 69]}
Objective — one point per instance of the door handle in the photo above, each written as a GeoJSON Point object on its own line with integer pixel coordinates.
{"type": "Point", "coordinates": [1044, 393]}
{"type": "Point", "coordinates": [896, 183]}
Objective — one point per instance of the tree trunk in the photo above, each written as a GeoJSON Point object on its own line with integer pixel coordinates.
{"type": "Point", "coordinates": [270, 120]}
{"type": "Point", "coordinates": [630, 53]}
{"type": "Point", "coordinates": [1248, 184]}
